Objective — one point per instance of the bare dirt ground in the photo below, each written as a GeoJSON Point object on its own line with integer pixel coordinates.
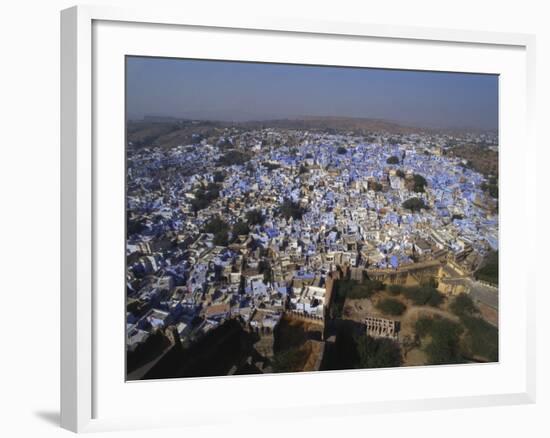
{"type": "Point", "coordinates": [315, 349]}
{"type": "Point", "coordinates": [415, 357]}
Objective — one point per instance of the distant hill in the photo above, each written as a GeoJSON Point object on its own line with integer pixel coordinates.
{"type": "Point", "coordinates": [169, 132]}
{"type": "Point", "coordinates": [355, 124]}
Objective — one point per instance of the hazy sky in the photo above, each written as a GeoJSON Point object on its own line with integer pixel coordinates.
{"type": "Point", "coordinates": [239, 91]}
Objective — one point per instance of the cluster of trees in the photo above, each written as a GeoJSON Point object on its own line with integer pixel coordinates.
{"type": "Point", "coordinates": [462, 306]}
{"type": "Point", "coordinates": [391, 306]}
{"type": "Point", "coordinates": [240, 228]}
{"type": "Point", "coordinates": [491, 186]}
{"type": "Point", "coordinates": [354, 349]}
{"type": "Point", "coordinates": [290, 209]}
{"type": "Point", "coordinates": [414, 204]}
{"type": "Point", "coordinates": [204, 197]}
{"type": "Point", "coordinates": [452, 342]}
{"type": "Point", "coordinates": [232, 157]}
{"type": "Point", "coordinates": [254, 217]}
{"type": "Point", "coordinates": [341, 150]}
{"type": "Point", "coordinates": [362, 290]}
{"type": "Point", "coordinates": [220, 229]}
{"type": "Point", "coordinates": [270, 166]}
{"type": "Point", "coordinates": [134, 226]}
{"type": "Point", "coordinates": [419, 295]}
{"type": "Point", "coordinates": [352, 289]}
{"type": "Point", "coordinates": [481, 338]}
{"type": "Point", "coordinates": [489, 270]}
{"type": "Point", "coordinates": [444, 334]}
{"type": "Point", "coordinates": [376, 186]}
{"type": "Point", "coordinates": [289, 361]}
{"type": "Point", "coordinates": [219, 176]}
{"type": "Point", "coordinates": [340, 291]}
{"type": "Point", "coordinates": [378, 352]}
{"type": "Point", "coordinates": [419, 183]}
{"type": "Point", "coordinates": [393, 160]}
{"type": "Point", "coordinates": [264, 267]}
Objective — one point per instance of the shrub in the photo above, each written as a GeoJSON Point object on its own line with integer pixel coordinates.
{"type": "Point", "coordinates": [364, 290]}
{"type": "Point", "coordinates": [489, 271]}
{"type": "Point", "coordinates": [289, 360]}
{"type": "Point", "coordinates": [414, 204]}
{"type": "Point", "coordinates": [391, 306]}
{"type": "Point", "coordinates": [254, 217]}
{"type": "Point", "coordinates": [271, 166]}
{"type": "Point", "coordinates": [216, 225]}
{"type": "Point", "coordinates": [219, 176]}
{"type": "Point", "coordinates": [444, 347]}
{"type": "Point", "coordinates": [395, 289]}
{"type": "Point", "coordinates": [392, 160]}
{"type": "Point", "coordinates": [378, 352]}
{"type": "Point", "coordinates": [240, 228]}
{"type": "Point", "coordinates": [419, 183]}
{"type": "Point", "coordinates": [463, 305]}
{"type": "Point", "coordinates": [290, 209]}
{"type": "Point", "coordinates": [341, 150]}
{"type": "Point", "coordinates": [423, 326]}
{"type": "Point", "coordinates": [376, 186]}
{"type": "Point", "coordinates": [233, 157]}
{"type": "Point", "coordinates": [481, 338]}
{"type": "Point", "coordinates": [424, 295]}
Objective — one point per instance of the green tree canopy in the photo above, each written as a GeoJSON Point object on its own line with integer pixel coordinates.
{"type": "Point", "coordinates": [414, 204]}
{"type": "Point", "coordinates": [391, 306]}
{"type": "Point", "coordinates": [378, 352]}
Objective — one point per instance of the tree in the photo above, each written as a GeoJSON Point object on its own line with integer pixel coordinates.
{"type": "Point", "coordinates": [221, 238]}
{"type": "Point", "coordinates": [264, 267]}
{"type": "Point", "coordinates": [216, 225]}
{"type": "Point", "coordinates": [393, 160]}
{"type": "Point", "coordinates": [444, 347]}
{"type": "Point", "coordinates": [290, 209]}
{"type": "Point", "coordinates": [254, 217]}
{"type": "Point", "coordinates": [219, 176]}
{"type": "Point", "coordinates": [391, 306]}
{"type": "Point", "coordinates": [414, 204]}
{"type": "Point", "coordinates": [463, 305]}
{"type": "Point", "coordinates": [376, 186]}
{"type": "Point", "coordinates": [395, 289]}
{"type": "Point", "coordinates": [240, 228]}
{"type": "Point", "coordinates": [365, 289]}
{"type": "Point", "coordinates": [424, 295]}
{"type": "Point", "coordinates": [419, 183]}
{"type": "Point", "coordinates": [489, 270]}
{"type": "Point", "coordinates": [378, 352]}
{"type": "Point", "coordinates": [271, 166]}
{"type": "Point", "coordinates": [204, 197]}
{"type": "Point", "coordinates": [289, 360]}
{"type": "Point", "coordinates": [481, 338]}
{"type": "Point", "coordinates": [341, 150]}
{"type": "Point", "coordinates": [233, 157]}
{"type": "Point", "coordinates": [423, 326]}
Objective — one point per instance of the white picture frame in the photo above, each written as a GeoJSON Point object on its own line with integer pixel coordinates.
{"type": "Point", "coordinates": [80, 169]}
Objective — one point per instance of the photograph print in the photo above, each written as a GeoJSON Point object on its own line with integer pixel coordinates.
{"type": "Point", "coordinates": [284, 218]}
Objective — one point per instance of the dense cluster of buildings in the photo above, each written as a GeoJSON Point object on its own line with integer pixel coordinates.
{"type": "Point", "coordinates": [249, 225]}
